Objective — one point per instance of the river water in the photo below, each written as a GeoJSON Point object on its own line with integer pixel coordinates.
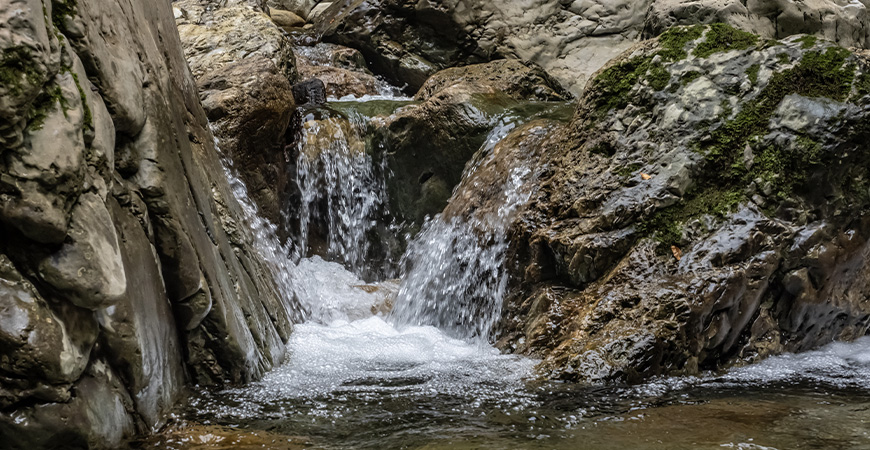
{"type": "Point", "coordinates": [420, 374]}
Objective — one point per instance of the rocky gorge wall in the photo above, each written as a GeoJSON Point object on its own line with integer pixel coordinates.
{"type": "Point", "coordinates": [125, 269]}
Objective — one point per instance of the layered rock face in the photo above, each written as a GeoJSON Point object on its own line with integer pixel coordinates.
{"type": "Point", "coordinates": [123, 272]}
{"type": "Point", "coordinates": [707, 206]}
{"type": "Point", "coordinates": [407, 41]}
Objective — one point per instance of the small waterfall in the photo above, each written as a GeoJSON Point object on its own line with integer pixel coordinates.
{"type": "Point", "coordinates": [339, 188]}
{"type": "Point", "coordinates": [455, 278]}
{"type": "Point", "coordinates": [264, 238]}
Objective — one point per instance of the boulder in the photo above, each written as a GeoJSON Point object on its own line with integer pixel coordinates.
{"type": "Point", "coordinates": [342, 70]}
{"type": "Point", "coordinates": [707, 206]}
{"type": "Point", "coordinates": [245, 88]}
{"type": "Point", "coordinates": [119, 223]}
{"type": "Point", "coordinates": [520, 81]}
{"type": "Point", "coordinates": [286, 20]}
{"type": "Point", "coordinates": [427, 145]}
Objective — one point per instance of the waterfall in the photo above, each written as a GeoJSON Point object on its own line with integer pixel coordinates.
{"type": "Point", "coordinates": [340, 188]}
{"type": "Point", "coordinates": [264, 239]}
{"type": "Point", "coordinates": [454, 276]}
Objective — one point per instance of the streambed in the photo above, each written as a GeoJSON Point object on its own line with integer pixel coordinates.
{"type": "Point", "coordinates": [364, 373]}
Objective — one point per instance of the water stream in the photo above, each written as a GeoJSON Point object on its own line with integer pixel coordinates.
{"type": "Point", "coordinates": [408, 365]}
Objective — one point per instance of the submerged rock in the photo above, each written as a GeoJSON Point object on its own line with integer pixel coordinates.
{"type": "Point", "coordinates": [706, 206]}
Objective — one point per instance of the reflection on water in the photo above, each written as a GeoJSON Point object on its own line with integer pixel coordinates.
{"type": "Point", "coordinates": [366, 384]}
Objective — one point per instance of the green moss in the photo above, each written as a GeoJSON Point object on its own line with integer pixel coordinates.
{"type": "Point", "coordinates": [673, 41]}
{"type": "Point", "coordinates": [783, 58]}
{"type": "Point", "coordinates": [18, 67]}
{"type": "Point", "coordinates": [89, 118]}
{"type": "Point", "coordinates": [689, 77]}
{"type": "Point", "coordinates": [752, 73]}
{"type": "Point", "coordinates": [819, 74]}
{"type": "Point", "coordinates": [627, 171]}
{"type": "Point", "coordinates": [667, 225]}
{"type": "Point", "coordinates": [614, 84]}
{"type": "Point", "coordinates": [808, 41]}
{"type": "Point", "coordinates": [722, 38]}
{"type": "Point", "coordinates": [658, 77]}
{"type": "Point", "coordinates": [60, 10]}
{"type": "Point", "coordinates": [46, 102]}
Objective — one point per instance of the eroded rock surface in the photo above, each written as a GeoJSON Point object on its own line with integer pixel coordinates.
{"type": "Point", "coordinates": [707, 206]}
{"type": "Point", "coordinates": [408, 41]}
{"type": "Point", "coordinates": [244, 67]}
{"type": "Point", "coordinates": [120, 277]}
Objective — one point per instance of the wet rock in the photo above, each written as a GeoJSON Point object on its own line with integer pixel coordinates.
{"type": "Point", "coordinates": [95, 417]}
{"type": "Point", "coordinates": [645, 251]}
{"type": "Point", "coordinates": [30, 59]}
{"type": "Point", "coordinates": [245, 89]}
{"type": "Point", "coordinates": [45, 349]}
{"type": "Point", "coordinates": [286, 19]}
{"type": "Point", "coordinates": [251, 104]}
{"type": "Point", "coordinates": [44, 176]}
{"type": "Point", "coordinates": [300, 8]}
{"type": "Point", "coordinates": [113, 114]}
{"type": "Point", "coordinates": [427, 145]}
{"type": "Point", "coordinates": [342, 70]}
{"type": "Point", "coordinates": [520, 81]}
{"type": "Point", "coordinates": [88, 267]}
{"type": "Point", "coordinates": [311, 92]}
{"type": "Point", "coordinates": [139, 332]}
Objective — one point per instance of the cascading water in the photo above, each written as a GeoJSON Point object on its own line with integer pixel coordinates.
{"type": "Point", "coordinates": [456, 278]}
{"type": "Point", "coordinates": [424, 378]}
{"type": "Point", "coordinates": [338, 185]}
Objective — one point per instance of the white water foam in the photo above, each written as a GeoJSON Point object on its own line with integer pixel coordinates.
{"type": "Point", "coordinates": [456, 279]}
{"type": "Point", "coordinates": [341, 177]}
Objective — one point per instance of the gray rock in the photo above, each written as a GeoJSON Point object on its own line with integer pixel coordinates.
{"type": "Point", "coordinates": [408, 41]}
{"type": "Point", "coordinates": [520, 81]}
{"type": "Point", "coordinates": [88, 267]}
{"type": "Point", "coordinates": [301, 8]}
{"type": "Point", "coordinates": [653, 247]}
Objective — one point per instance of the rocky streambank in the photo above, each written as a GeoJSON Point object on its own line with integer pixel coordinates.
{"type": "Point", "coordinates": [125, 277]}
{"type": "Point", "coordinates": [696, 172]}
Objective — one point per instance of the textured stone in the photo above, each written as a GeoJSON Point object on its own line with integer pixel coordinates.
{"type": "Point", "coordinates": [518, 80]}
{"type": "Point", "coordinates": [691, 218]}
{"type": "Point", "coordinates": [300, 8]}
{"type": "Point", "coordinates": [286, 19]}
{"type": "Point", "coordinates": [88, 268]}
{"type": "Point", "coordinates": [408, 41]}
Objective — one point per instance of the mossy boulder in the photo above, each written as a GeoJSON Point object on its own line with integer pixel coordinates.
{"type": "Point", "coordinates": [707, 205]}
